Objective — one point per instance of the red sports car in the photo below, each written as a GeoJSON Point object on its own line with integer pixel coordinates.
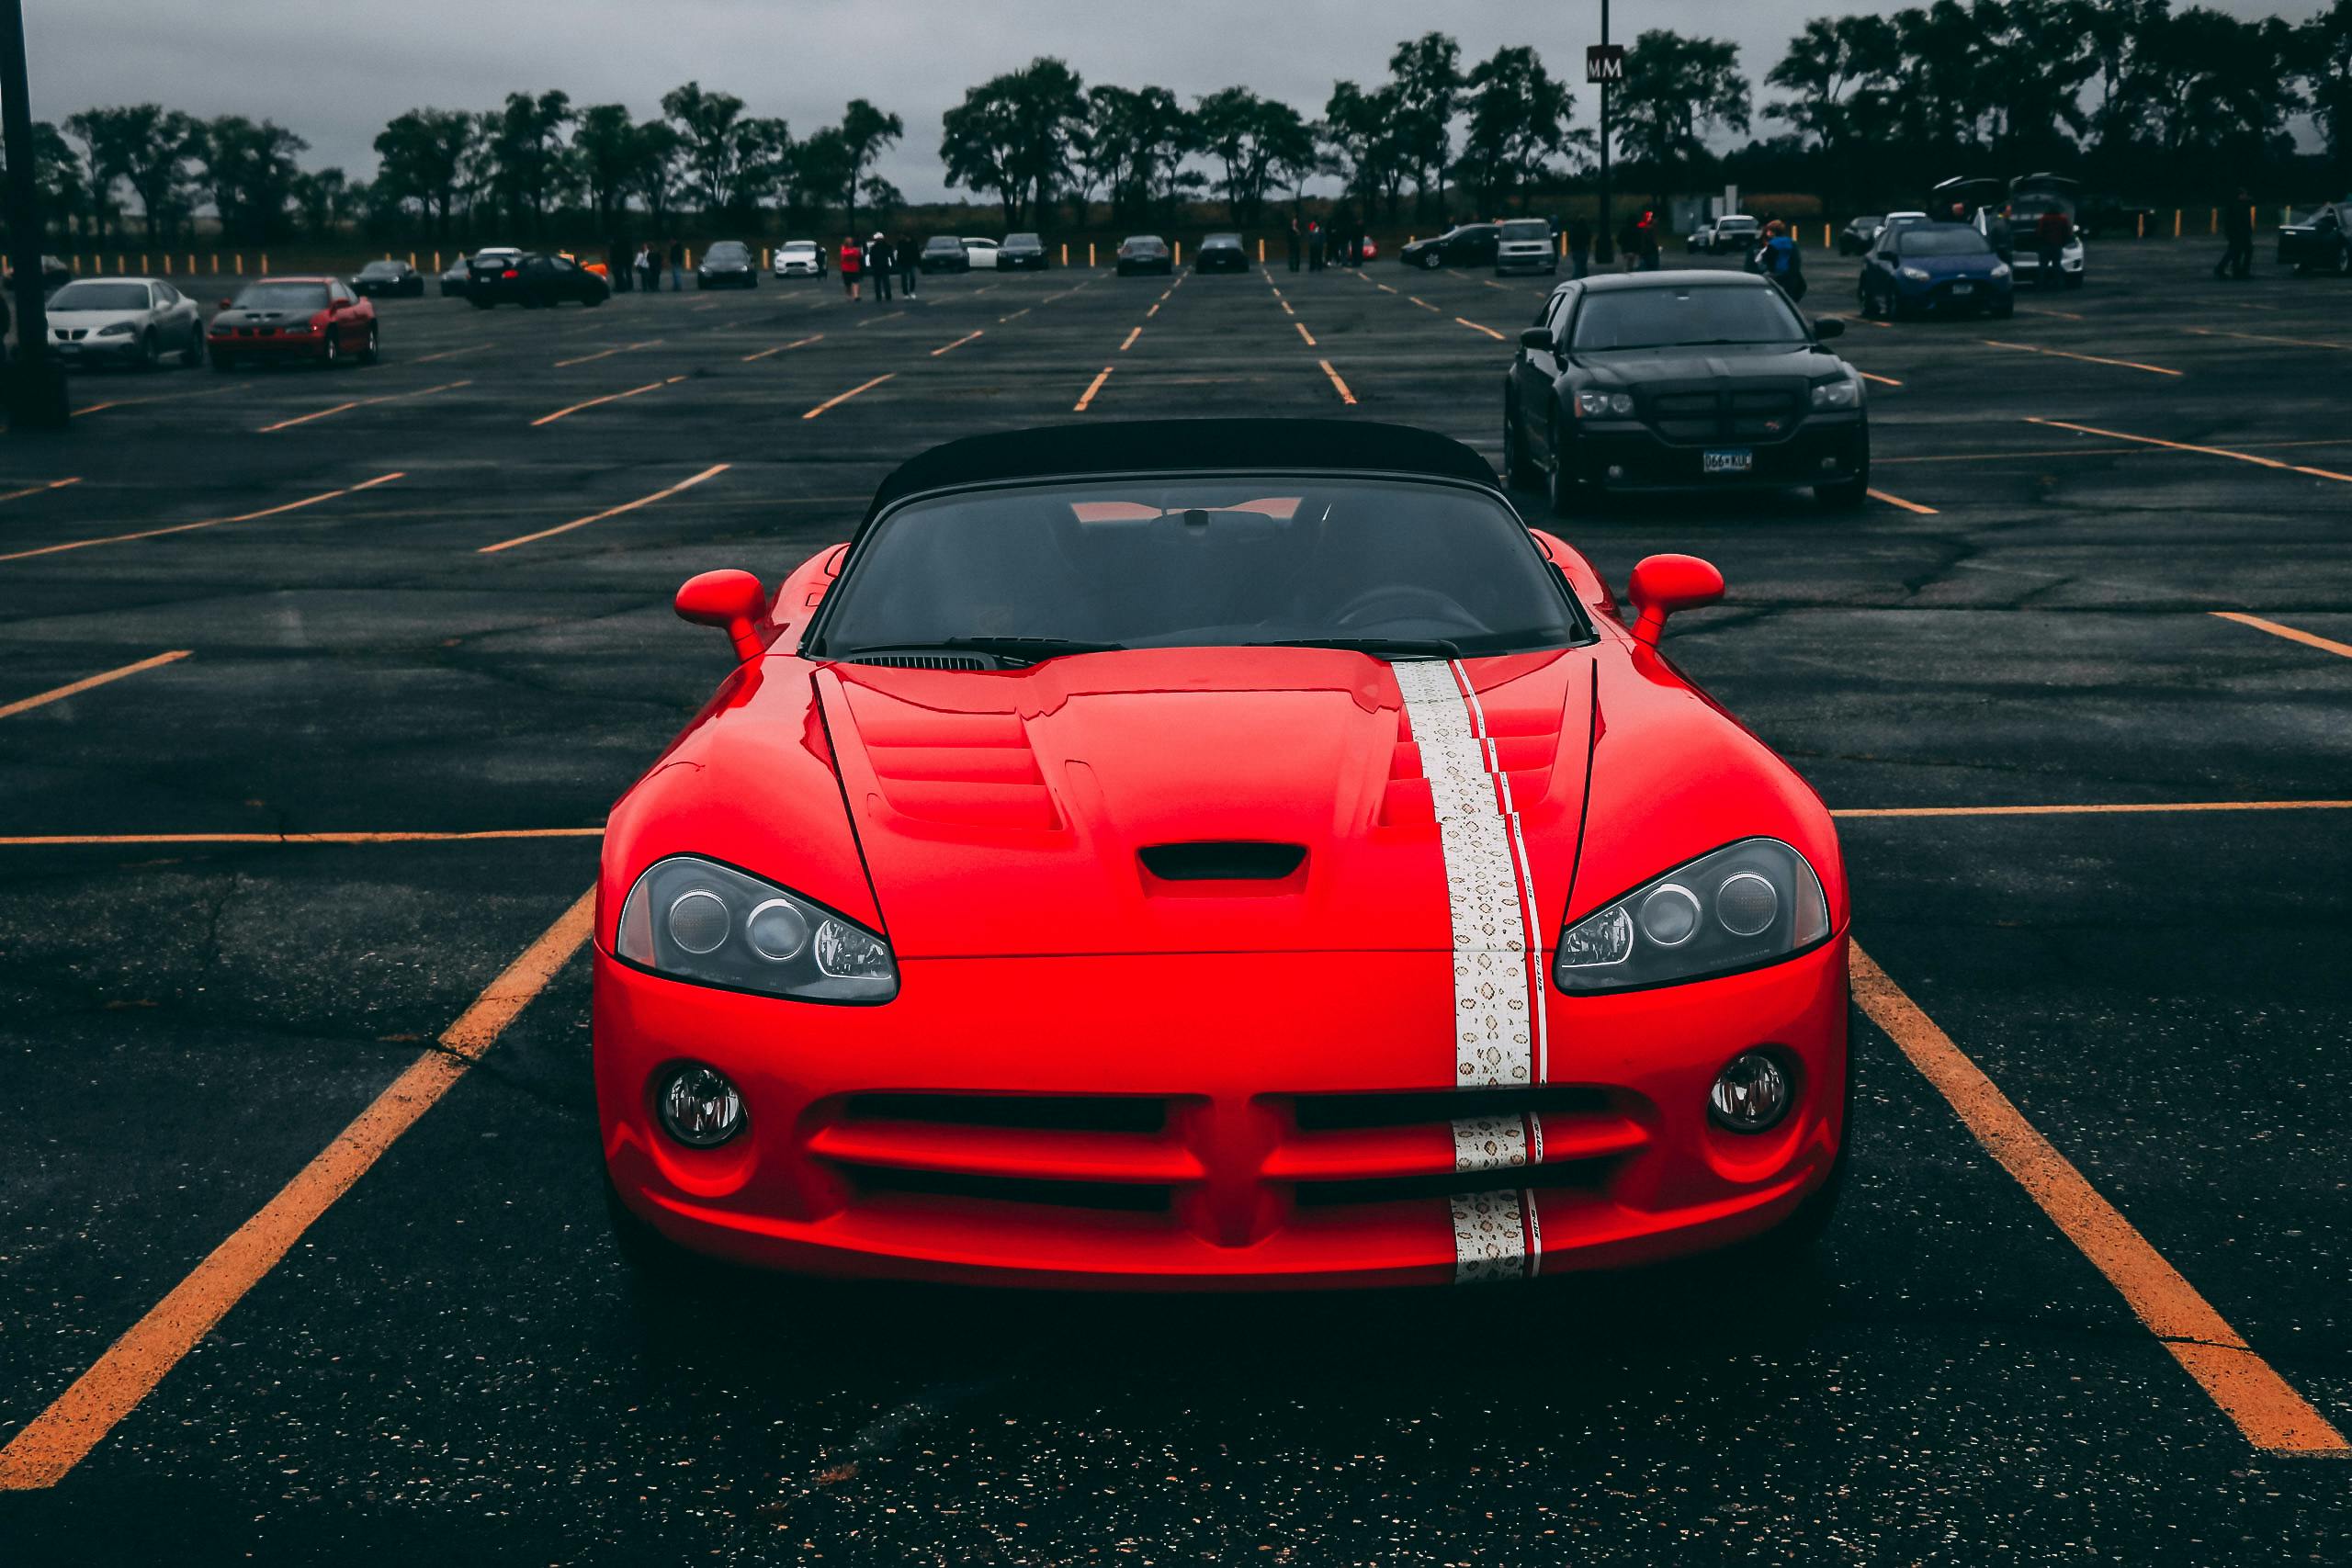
{"type": "Point", "coordinates": [317, 319]}
{"type": "Point", "coordinates": [1214, 854]}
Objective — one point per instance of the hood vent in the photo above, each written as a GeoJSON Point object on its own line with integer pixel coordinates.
{"type": "Point", "coordinates": [1222, 862]}
{"type": "Point", "coordinates": [924, 660]}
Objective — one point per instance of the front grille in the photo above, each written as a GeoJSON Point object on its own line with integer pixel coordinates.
{"type": "Point", "coordinates": [1037, 1112]}
{"type": "Point", "coordinates": [1584, 1176]}
{"type": "Point", "coordinates": [1115, 1196]}
{"type": "Point", "coordinates": [1351, 1112]}
{"type": "Point", "coordinates": [1724, 414]}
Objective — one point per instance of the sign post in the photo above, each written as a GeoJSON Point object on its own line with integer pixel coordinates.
{"type": "Point", "coordinates": [36, 382]}
{"type": "Point", "coordinates": [1604, 62]}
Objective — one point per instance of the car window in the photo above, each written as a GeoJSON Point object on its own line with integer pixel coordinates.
{"type": "Point", "coordinates": [281, 297]}
{"type": "Point", "coordinates": [726, 250]}
{"type": "Point", "coordinates": [1692, 315]}
{"type": "Point", "coordinates": [1527, 229]}
{"type": "Point", "coordinates": [167, 295]}
{"type": "Point", "coordinates": [1201, 561]}
{"type": "Point", "coordinates": [91, 296]}
{"type": "Point", "coordinates": [1941, 241]}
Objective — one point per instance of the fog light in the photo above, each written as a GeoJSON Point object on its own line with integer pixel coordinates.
{"type": "Point", "coordinates": [698, 1107]}
{"type": "Point", "coordinates": [1750, 1094]}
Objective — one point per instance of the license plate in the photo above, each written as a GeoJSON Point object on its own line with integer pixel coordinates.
{"type": "Point", "coordinates": [1964, 288]}
{"type": "Point", "coordinates": [1726, 460]}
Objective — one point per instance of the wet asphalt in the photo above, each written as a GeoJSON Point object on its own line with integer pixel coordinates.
{"type": "Point", "coordinates": [453, 1358]}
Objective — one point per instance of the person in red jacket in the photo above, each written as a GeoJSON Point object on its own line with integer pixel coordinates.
{"type": "Point", "coordinates": [852, 265]}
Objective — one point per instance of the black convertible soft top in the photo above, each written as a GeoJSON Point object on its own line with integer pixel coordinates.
{"type": "Point", "coordinates": [1163, 445]}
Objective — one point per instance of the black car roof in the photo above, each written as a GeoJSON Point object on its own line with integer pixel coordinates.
{"type": "Point", "coordinates": [1680, 277]}
{"type": "Point", "coordinates": [1179, 445]}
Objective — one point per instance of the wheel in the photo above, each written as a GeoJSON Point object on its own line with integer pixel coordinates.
{"type": "Point", "coordinates": [372, 354]}
{"type": "Point", "coordinates": [150, 350]}
{"type": "Point", "coordinates": [1518, 468]}
{"type": "Point", "coordinates": [2343, 261]}
{"type": "Point", "coordinates": [593, 300]}
{"type": "Point", "coordinates": [1846, 496]}
{"type": "Point", "coordinates": [330, 353]}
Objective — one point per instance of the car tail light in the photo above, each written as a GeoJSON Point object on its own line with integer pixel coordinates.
{"type": "Point", "coordinates": [508, 273]}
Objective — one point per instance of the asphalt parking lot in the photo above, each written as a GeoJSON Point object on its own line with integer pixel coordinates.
{"type": "Point", "coordinates": [317, 686]}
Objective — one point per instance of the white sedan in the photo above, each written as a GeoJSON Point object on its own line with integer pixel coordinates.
{"type": "Point", "coordinates": [129, 321]}
{"type": "Point", "coordinates": [981, 253]}
{"type": "Point", "coordinates": [799, 258]}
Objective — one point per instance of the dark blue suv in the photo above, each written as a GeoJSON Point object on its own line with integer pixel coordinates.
{"type": "Point", "coordinates": [1938, 268]}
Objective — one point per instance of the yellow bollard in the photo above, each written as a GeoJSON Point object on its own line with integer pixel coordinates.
{"type": "Point", "coordinates": [1089, 253]}
{"type": "Point", "coordinates": [240, 259]}
{"type": "Point", "coordinates": [436, 261]}
{"type": "Point", "coordinates": [168, 264]}
{"type": "Point", "coordinates": [76, 265]}
{"type": "Point", "coordinates": [191, 264]}
{"type": "Point", "coordinates": [411, 260]}
{"type": "Point", "coordinates": [2142, 221]}
{"type": "Point", "coordinates": [1065, 252]}
{"type": "Point", "coordinates": [1825, 237]}
{"type": "Point", "coordinates": [265, 261]}
{"type": "Point", "coordinates": [2213, 221]}
{"type": "Point", "coordinates": [1180, 253]}
{"type": "Point", "coordinates": [690, 258]}
{"type": "Point", "coordinates": [216, 263]}
{"type": "Point", "coordinates": [118, 267]}
{"type": "Point", "coordinates": [1262, 250]}
{"type": "Point", "coordinates": [763, 258]}
{"type": "Point", "coordinates": [143, 262]}
{"type": "Point", "coordinates": [2175, 223]}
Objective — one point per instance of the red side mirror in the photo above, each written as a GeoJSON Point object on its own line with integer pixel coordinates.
{"type": "Point", "coordinates": [730, 599]}
{"type": "Point", "coordinates": [1663, 584]}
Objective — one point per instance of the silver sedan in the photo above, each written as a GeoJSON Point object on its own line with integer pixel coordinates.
{"type": "Point", "coordinates": [126, 321]}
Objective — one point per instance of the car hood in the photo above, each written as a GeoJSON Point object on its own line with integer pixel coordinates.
{"type": "Point", "coordinates": [1647, 368]}
{"type": "Point", "coordinates": [236, 318]}
{"type": "Point", "coordinates": [1951, 267]}
{"type": "Point", "coordinates": [94, 320]}
{"type": "Point", "coordinates": [1008, 812]}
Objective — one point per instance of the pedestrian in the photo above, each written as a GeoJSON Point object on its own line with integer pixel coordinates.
{"type": "Point", "coordinates": [1579, 247]}
{"type": "Point", "coordinates": [1292, 241]}
{"type": "Point", "coordinates": [617, 266]}
{"type": "Point", "coordinates": [647, 277]}
{"type": "Point", "coordinates": [1314, 245]}
{"type": "Point", "coordinates": [677, 267]}
{"type": "Point", "coordinates": [1778, 259]}
{"type": "Point", "coordinates": [908, 257]}
{"type": "Point", "coordinates": [1629, 244]}
{"type": "Point", "coordinates": [880, 262]}
{"type": "Point", "coordinates": [852, 262]}
{"type": "Point", "coordinates": [2237, 227]}
{"type": "Point", "coordinates": [2050, 232]}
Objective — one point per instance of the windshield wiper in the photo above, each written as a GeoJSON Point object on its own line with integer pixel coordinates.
{"type": "Point", "coordinates": [1031, 649]}
{"type": "Point", "coordinates": [1427, 647]}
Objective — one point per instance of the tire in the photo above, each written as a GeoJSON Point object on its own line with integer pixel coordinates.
{"type": "Point", "coordinates": [373, 353]}
{"type": "Point", "coordinates": [1519, 472]}
{"type": "Point", "coordinates": [151, 351]}
{"type": "Point", "coordinates": [2343, 261]}
{"type": "Point", "coordinates": [330, 352]}
{"type": "Point", "coordinates": [593, 300]}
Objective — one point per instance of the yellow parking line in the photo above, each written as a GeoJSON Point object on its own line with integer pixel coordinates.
{"type": "Point", "coordinates": [2085, 359]}
{"type": "Point", "coordinates": [1129, 341]}
{"type": "Point", "coordinates": [957, 343]}
{"type": "Point", "coordinates": [1898, 501]}
{"type": "Point", "coordinates": [361, 403]}
{"type": "Point", "coordinates": [1305, 334]}
{"type": "Point", "coordinates": [1153, 312]}
{"type": "Point", "coordinates": [39, 489]}
{"type": "Point", "coordinates": [2037, 311]}
{"type": "Point", "coordinates": [1868, 322]}
{"type": "Point", "coordinates": [67, 840]}
{"type": "Point", "coordinates": [452, 353]}
{"type": "Point", "coordinates": [1021, 312]}
{"type": "Point", "coordinates": [606, 353]}
{"type": "Point", "coordinates": [2292, 634]}
{"type": "Point", "coordinates": [890, 316]}
{"type": "Point", "coordinates": [1423, 303]}
{"type": "Point", "coordinates": [1881, 381]}
{"type": "Point", "coordinates": [1091, 388]}
{"type": "Point", "coordinates": [837, 401]}
{"type": "Point", "coordinates": [42, 699]}
{"type": "Point", "coordinates": [607, 398]}
{"type": "Point", "coordinates": [2268, 337]}
{"type": "Point", "coordinates": [1341, 386]}
{"type": "Point", "coordinates": [609, 512]}
{"type": "Point", "coordinates": [206, 522]}
{"type": "Point", "coordinates": [1285, 305]}
{"type": "Point", "coordinates": [2131, 810]}
{"type": "Point", "coordinates": [2249, 1391]}
{"type": "Point", "coordinates": [2191, 446]}
{"type": "Point", "coordinates": [159, 398]}
{"type": "Point", "coordinates": [782, 347]}
{"type": "Point", "coordinates": [1382, 286]}
{"type": "Point", "coordinates": [41, 1453]}
{"type": "Point", "coordinates": [1476, 328]}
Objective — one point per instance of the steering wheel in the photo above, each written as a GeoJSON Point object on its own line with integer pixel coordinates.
{"type": "Point", "coordinates": [1409, 602]}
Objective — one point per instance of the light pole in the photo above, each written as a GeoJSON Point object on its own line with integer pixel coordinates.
{"type": "Point", "coordinates": [1603, 246]}
{"type": "Point", "coordinates": [36, 382]}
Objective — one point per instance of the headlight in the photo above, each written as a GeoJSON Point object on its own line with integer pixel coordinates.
{"type": "Point", "coordinates": [1746, 904]}
{"type": "Point", "coordinates": [1840, 394]}
{"type": "Point", "coordinates": [1604, 405]}
{"type": "Point", "coordinates": [2000, 271]}
{"type": "Point", "coordinates": [695, 919]}
{"type": "Point", "coordinates": [1916, 275]}
{"type": "Point", "coordinates": [117, 329]}
{"type": "Point", "coordinates": [294, 326]}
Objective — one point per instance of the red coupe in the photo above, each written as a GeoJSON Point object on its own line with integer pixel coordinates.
{"type": "Point", "coordinates": [1213, 854]}
{"type": "Point", "coordinates": [314, 319]}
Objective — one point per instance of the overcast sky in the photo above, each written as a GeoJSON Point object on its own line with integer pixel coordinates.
{"type": "Point", "coordinates": [334, 74]}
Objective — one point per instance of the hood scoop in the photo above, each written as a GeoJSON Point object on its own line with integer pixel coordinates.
{"type": "Point", "coordinates": [922, 660]}
{"type": "Point", "coordinates": [1222, 860]}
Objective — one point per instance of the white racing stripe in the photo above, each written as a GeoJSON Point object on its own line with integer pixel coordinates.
{"type": "Point", "coordinates": [1490, 1143]}
{"type": "Point", "coordinates": [1490, 1237]}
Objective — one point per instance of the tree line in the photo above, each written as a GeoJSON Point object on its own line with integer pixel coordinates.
{"type": "Point", "coordinates": [1867, 105]}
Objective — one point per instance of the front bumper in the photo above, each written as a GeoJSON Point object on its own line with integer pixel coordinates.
{"type": "Point", "coordinates": [746, 278]}
{"type": "Point", "coordinates": [1205, 1121]}
{"type": "Point", "coordinates": [282, 346]}
{"type": "Point", "coordinates": [1531, 261]}
{"type": "Point", "coordinates": [98, 350]}
{"type": "Point", "coordinates": [1941, 298]}
{"type": "Point", "coordinates": [1624, 454]}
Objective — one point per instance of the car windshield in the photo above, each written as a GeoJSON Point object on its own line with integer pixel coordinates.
{"type": "Point", "coordinates": [942, 243]}
{"type": "Point", "coordinates": [1527, 229]}
{"type": "Point", "coordinates": [1692, 315]}
{"type": "Point", "coordinates": [99, 296]}
{"type": "Point", "coordinates": [1222, 242]}
{"type": "Point", "coordinates": [1868, 221]}
{"type": "Point", "coordinates": [1024, 242]}
{"type": "Point", "coordinates": [1143, 243]}
{"type": "Point", "coordinates": [284, 297]}
{"type": "Point", "coordinates": [1730, 223]}
{"type": "Point", "coordinates": [726, 250]}
{"type": "Point", "coordinates": [380, 269]}
{"type": "Point", "coordinates": [1942, 242]}
{"type": "Point", "coordinates": [1202, 562]}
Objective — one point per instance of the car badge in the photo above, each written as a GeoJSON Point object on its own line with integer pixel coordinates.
{"type": "Point", "coordinates": [1771, 427]}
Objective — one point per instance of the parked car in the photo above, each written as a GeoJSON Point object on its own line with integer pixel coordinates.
{"type": "Point", "coordinates": [2113, 215]}
{"type": "Point", "coordinates": [2030, 198]}
{"type": "Point", "coordinates": [943, 253]}
{"type": "Point", "coordinates": [981, 253]}
{"type": "Point", "coordinates": [1732, 234]}
{"type": "Point", "coordinates": [800, 258]}
{"type": "Point", "coordinates": [1021, 252]}
{"type": "Point", "coordinates": [389, 277]}
{"type": "Point", "coordinates": [1856, 236]}
{"type": "Point", "coordinates": [124, 321]}
{"type": "Point", "coordinates": [1143, 253]}
{"type": "Point", "coordinates": [1526, 244]}
{"type": "Point", "coordinates": [1465, 245]}
{"type": "Point", "coordinates": [1677, 381]}
{"type": "Point", "coordinates": [532, 280]}
{"type": "Point", "coordinates": [1221, 253]}
{"type": "Point", "coordinates": [452, 279]}
{"type": "Point", "coordinates": [727, 263]}
{"type": "Point", "coordinates": [2317, 239]}
{"type": "Point", "coordinates": [1358, 951]}
{"type": "Point", "coordinates": [315, 319]}
{"type": "Point", "coordinates": [1946, 269]}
